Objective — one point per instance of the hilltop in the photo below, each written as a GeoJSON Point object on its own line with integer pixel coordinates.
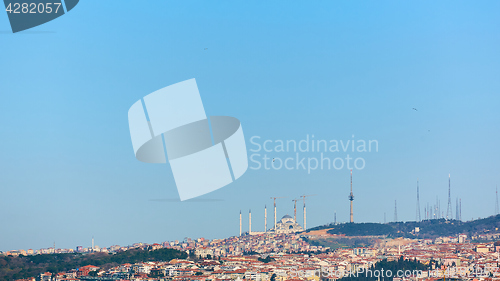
{"type": "Point", "coordinates": [427, 229]}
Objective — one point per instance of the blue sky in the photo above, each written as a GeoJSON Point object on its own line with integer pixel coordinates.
{"type": "Point", "coordinates": [285, 69]}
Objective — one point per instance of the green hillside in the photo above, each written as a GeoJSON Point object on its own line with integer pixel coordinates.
{"type": "Point", "coordinates": [427, 228]}
{"type": "Point", "coordinates": [12, 268]}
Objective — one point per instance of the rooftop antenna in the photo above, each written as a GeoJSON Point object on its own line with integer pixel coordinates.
{"type": "Point", "coordinates": [351, 198]}
{"type": "Point", "coordinates": [418, 204]}
{"type": "Point", "coordinates": [449, 213]}
{"type": "Point", "coordinates": [304, 198]}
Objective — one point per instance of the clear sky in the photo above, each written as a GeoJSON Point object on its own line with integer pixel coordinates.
{"type": "Point", "coordinates": [285, 69]}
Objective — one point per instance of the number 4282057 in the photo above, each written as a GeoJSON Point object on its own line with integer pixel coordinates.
{"type": "Point", "coordinates": [33, 8]}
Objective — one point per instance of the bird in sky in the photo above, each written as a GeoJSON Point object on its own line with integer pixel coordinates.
{"type": "Point", "coordinates": [415, 109]}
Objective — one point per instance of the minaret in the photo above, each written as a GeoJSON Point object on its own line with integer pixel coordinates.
{"type": "Point", "coordinates": [240, 222]}
{"type": "Point", "coordinates": [351, 198]}
{"type": "Point", "coordinates": [305, 228]}
{"type": "Point", "coordinates": [250, 222]}
{"type": "Point", "coordinates": [294, 210]}
{"type": "Point", "coordinates": [335, 218]}
{"type": "Point", "coordinates": [92, 243]}
{"type": "Point", "coordinates": [265, 218]}
{"type": "Point", "coordinates": [274, 215]}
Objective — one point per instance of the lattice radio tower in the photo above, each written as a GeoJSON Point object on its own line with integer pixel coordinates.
{"type": "Point", "coordinates": [449, 213]}
{"type": "Point", "coordinates": [351, 198]}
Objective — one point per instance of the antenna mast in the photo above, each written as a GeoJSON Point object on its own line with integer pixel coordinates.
{"type": "Point", "coordinates": [395, 211]}
{"type": "Point", "coordinates": [449, 213]}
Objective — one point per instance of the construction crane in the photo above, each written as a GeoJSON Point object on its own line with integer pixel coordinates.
{"type": "Point", "coordinates": [274, 199]}
{"type": "Point", "coordinates": [295, 209]}
{"type": "Point", "coordinates": [304, 198]}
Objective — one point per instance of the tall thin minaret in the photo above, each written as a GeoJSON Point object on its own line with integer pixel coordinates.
{"type": "Point", "coordinates": [294, 210]}
{"type": "Point", "coordinates": [305, 228]}
{"type": "Point", "coordinates": [265, 218]}
{"type": "Point", "coordinates": [92, 243]}
{"type": "Point", "coordinates": [351, 198]}
{"type": "Point", "coordinates": [274, 215]}
{"type": "Point", "coordinates": [335, 218]}
{"type": "Point", "coordinates": [240, 222]}
{"type": "Point", "coordinates": [250, 222]}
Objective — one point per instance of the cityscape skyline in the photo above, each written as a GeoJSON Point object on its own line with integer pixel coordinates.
{"type": "Point", "coordinates": [436, 214]}
{"type": "Point", "coordinates": [419, 78]}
